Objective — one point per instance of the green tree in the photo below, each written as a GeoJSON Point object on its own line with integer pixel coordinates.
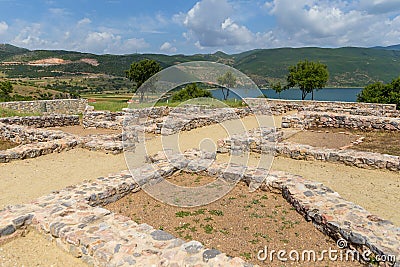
{"type": "Point", "coordinates": [381, 93]}
{"type": "Point", "coordinates": [6, 89]}
{"type": "Point", "coordinates": [190, 91]}
{"type": "Point", "coordinates": [228, 80]}
{"type": "Point", "coordinates": [278, 88]}
{"type": "Point", "coordinates": [308, 75]}
{"type": "Point", "coordinates": [140, 72]}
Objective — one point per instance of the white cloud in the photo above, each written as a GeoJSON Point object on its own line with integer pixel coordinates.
{"type": "Point", "coordinates": [168, 48]}
{"type": "Point", "coordinates": [333, 23]}
{"type": "Point", "coordinates": [84, 21]}
{"type": "Point", "coordinates": [210, 24]}
{"type": "Point", "coordinates": [379, 6]}
{"type": "Point", "coordinates": [131, 45]}
{"type": "Point", "coordinates": [107, 42]}
{"type": "Point", "coordinates": [58, 11]}
{"type": "Point", "coordinates": [3, 27]}
{"type": "Point", "coordinates": [30, 37]}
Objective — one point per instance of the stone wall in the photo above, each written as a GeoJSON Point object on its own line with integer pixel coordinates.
{"type": "Point", "coordinates": [103, 119]}
{"type": "Point", "coordinates": [43, 121]}
{"type": "Point", "coordinates": [306, 120]}
{"type": "Point", "coordinates": [191, 117]}
{"type": "Point", "coordinates": [24, 135]}
{"type": "Point", "coordinates": [267, 143]}
{"type": "Point", "coordinates": [114, 120]}
{"type": "Point", "coordinates": [57, 106]}
{"type": "Point", "coordinates": [155, 119]}
{"type": "Point", "coordinates": [37, 142]}
{"type": "Point", "coordinates": [280, 106]}
{"type": "Point", "coordinates": [75, 219]}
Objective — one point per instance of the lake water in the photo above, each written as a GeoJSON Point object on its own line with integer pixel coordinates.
{"type": "Point", "coordinates": [325, 94]}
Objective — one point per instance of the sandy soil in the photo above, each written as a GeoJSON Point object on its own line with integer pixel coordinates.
{"type": "Point", "coordinates": [266, 219]}
{"type": "Point", "coordinates": [23, 181]}
{"type": "Point", "coordinates": [34, 250]}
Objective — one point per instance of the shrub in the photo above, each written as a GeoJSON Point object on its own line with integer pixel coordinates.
{"type": "Point", "coordinates": [381, 93]}
{"type": "Point", "coordinates": [189, 92]}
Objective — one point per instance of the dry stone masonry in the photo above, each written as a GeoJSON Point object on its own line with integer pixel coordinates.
{"type": "Point", "coordinates": [43, 121]}
{"type": "Point", "coordinates": [115, 120]}
{"type": "Point", "coordinates": [35, 142]}
{"type": "Point", "coordinates": [307, 120]}
{"type": "Point", "coordinates": [280, 106]}
{"type": "Point", "coordinates": [270, 141]}
{"type": "Point", "coordinates": [75, 219]}
{"type": "Point", "coordinates": [57, 106]}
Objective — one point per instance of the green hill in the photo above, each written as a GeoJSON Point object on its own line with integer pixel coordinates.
{"type": "Point", "coordinates": [348, 66]}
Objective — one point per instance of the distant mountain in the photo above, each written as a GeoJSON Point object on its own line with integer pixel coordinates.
{"type": "Point", "coordinates": [7, 50]}
{"type": "Point", "coordinates": [348, 66]}
{"type": "Point", "coordinates": [390, 47]}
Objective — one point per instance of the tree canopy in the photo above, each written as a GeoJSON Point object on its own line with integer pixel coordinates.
{"type": "Point", "coordinates": [6, 89]}
{"type": "Point", "coordinates": [140, 72]}
{"type": "Point", "coordinates": [308, 75]}
{"type": "Point", "coordinates": [381, 93]}
{"type": "Point", "coordinates": [190, 91]}
{"type": "Point", "coordinates": [229, 81]}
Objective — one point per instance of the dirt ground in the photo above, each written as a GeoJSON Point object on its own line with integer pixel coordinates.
{"type": "Point", "coordinates": [324, 138]}
{"type": "Point", "coordinates": [22, 181]}
{"type": "Point", "coordinates": [79, 130]}
{"type": "Point", "coordinates": [266, 219]}
{"type": "Point", "coordinates": [7, 145]}
{"type": "Point", "coordinates": [384, 142]}
{"type": "Point", "coordinates": [34, 250]}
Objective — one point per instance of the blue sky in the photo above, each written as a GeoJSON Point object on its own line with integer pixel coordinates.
{"type": "Point", "coordinates": [202, 26]}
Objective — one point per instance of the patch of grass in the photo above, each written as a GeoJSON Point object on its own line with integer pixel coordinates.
{"type": "Point", "coordinates": [183, 213]}
{"type": "Point", "coordinates": [208, 229]}
{"type": "Point", "coordinates": [255, 215]}
{"type": "Point", "coordinates": [246, 255]}
{"type": "Point", "coordinates": [224, 231]}
{"type": "Point", "coordinates": [109, 105]}
{"type": "Point", "coordinates": [207, 219]}
{"type": "Point", "coordinates": [380, 142]}
{"type": "Point", "coordinates": [197, 212]}
{"type": "Point", "coordinates": [4, 145]}
{"type": "Point", "coordinates": [12, 113]}
{"type": "Point", "coordinates": [216, 212]}
{"type": "Point", "coordinates": [184, 226]}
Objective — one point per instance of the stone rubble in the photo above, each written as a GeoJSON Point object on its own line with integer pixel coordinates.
{"type": "Point", "coordinates": [75, 220]}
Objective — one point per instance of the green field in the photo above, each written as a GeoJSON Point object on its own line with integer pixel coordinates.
{"type": "Point", "coordinates": [113, 102]}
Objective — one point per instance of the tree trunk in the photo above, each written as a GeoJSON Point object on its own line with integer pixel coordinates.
{"type": "Point", "coordinates": [303, 94]}
{"type": "Point", "coordinates": [223, 93]}
{"type": "Point", "coordinates": [141, 97]}
{"type": "Point", "coordinates": [227, 94]}
{"type": "Point", "coordinates": [312, 95]}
